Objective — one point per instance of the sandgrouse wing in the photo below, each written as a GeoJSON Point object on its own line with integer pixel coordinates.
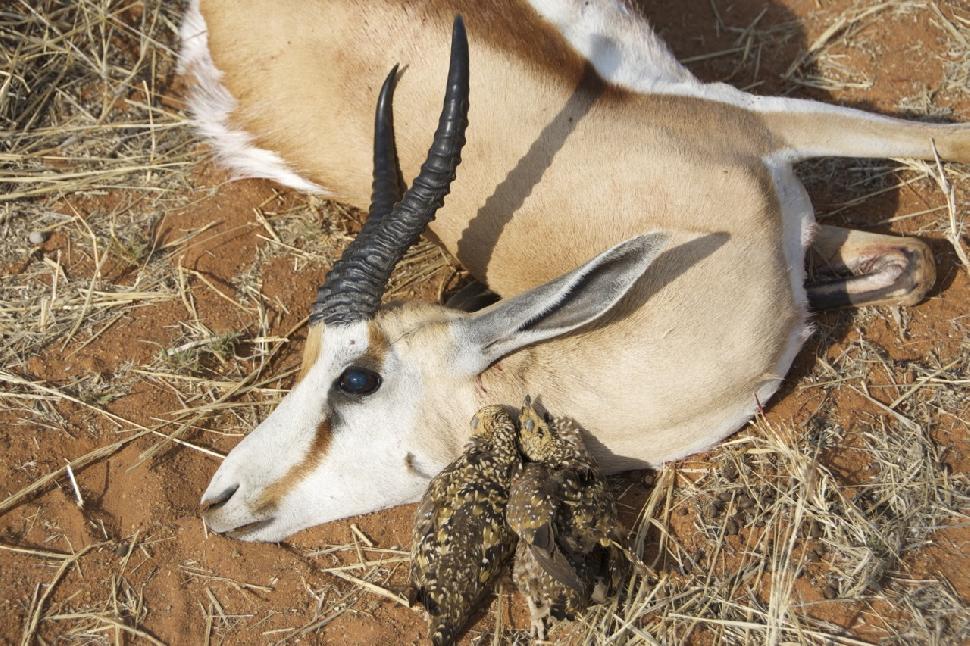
{"type": "Point", "coordinates": [461, 540]}
{"type": "Point", "coordinates": [565, 518]}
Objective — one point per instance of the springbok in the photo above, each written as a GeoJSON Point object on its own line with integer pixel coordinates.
{"type": "Point", "coordinates": [587, 140]}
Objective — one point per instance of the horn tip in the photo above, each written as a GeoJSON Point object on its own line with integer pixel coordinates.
{"type": "Point", "coordinates": [459, 37]}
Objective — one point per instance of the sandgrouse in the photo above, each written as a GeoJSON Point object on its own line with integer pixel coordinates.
{"type": "Point", "coordinates": [462, 543]}
{"type": "Point", "coordinates": [565, 519]}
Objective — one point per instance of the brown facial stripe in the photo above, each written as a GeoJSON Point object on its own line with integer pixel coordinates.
{"type": "Point", "coordinates": [271, 497]}
{"type": "Point", "coordinates": [377, 345]}
{"type": "Point", "coordinates": [311, 350]}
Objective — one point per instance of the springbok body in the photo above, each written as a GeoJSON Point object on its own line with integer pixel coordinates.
{"type": "Point", "coordinates": [584, 132]}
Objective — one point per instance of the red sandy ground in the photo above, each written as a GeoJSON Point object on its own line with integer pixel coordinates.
{"type": "Point", "coordinates": [158, 502]}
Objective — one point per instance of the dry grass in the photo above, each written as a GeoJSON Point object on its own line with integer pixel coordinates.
{"type": "Point", "coordinates": [81, 115]}
{"type": "Point", "coordinates": [767, 513]}
{"type": "Point", "coordinates": [787, 533]}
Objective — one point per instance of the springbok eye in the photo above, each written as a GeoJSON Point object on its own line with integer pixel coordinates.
{"type": "Point", "coordinates": [359, 381]}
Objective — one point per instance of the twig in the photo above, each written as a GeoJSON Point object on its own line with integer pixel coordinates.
{"type": "Point", "coordinates": [902, 419]}
{"type": "Point", "coordinates": [953, 234]}
{"type": "Point", "coordinates": [77, 490]}
{"type": "Point", "coordinates": [77, 463]}
{"type": "Point", "coordinates": [111, 621]}
{"type": "Point", "coordinates": [922, 382]}
{"type": "Point", "coordinates": [239, 585]}
{"type": "Point", "coordinates": [11, 378]}
{"type": "Point", "coordinates": [499, 615]}
{"type": "Point", "coordinates": [370, 587]}
{"type": "Point", "coordinates": [31, 626]}
{"type": "Point", "coordinates": [363, 537]}
{"type": "Point", "coordinates": [363, 565]}
{"type": "Point", "coordinates": [41, 553]}
{"type": "Point", "coordinates": [150, 453]}
{"type": "Point", "coordinates": [826, 36]}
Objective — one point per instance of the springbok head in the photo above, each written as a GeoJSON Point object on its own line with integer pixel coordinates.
{"type": "Point", "coordinates": [387, 392]}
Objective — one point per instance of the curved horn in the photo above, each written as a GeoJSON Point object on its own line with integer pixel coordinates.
{"type": "Point", "coordinates": [387, 186]}
{"type": "Point", "coordinates": [353, 288]}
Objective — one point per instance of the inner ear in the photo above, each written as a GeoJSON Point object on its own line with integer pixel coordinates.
{"type": "Point", "coordinates": [563, 304]}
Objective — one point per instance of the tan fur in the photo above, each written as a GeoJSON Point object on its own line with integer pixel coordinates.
{"type": "Point", "coordinates": [322, 125]}
{"type": "Point", "coordinates": [377, 345]}
{"type": "Point", "coordinates": [833, 135]}
{"type": "Point", "coordinates": [311, 350]}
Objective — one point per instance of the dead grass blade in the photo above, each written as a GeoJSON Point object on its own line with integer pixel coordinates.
{"type": "Point", "coordinates": [79, 463]}
{"type": "Point", "coordinates": [370, 587]}
{"type": "Point", "coordinates": [110, 621]}
{"type": "Point", "coordinates": [955, 233]}
{"type": "Point", "coordinates": [240, 388]}
{"type": "Point", "coordinates": [31, 627]}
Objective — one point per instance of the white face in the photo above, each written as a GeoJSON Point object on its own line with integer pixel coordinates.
{"type": "Point", "coordinates": [326, 454]}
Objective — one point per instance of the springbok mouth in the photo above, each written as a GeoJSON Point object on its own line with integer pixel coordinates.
{"type": "Point", "coordinates": [411, 463]}
{"type": "Point", "coordinates": [213, 504]}
{"type": "Point", "coordinates": [241, 531]}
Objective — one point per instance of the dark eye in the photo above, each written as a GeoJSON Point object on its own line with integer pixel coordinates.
{"type": "Point", "coordinates": [359, 381]}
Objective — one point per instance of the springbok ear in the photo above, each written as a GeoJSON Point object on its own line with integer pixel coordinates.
{"type": "Point", "coordinates": [561, 305]}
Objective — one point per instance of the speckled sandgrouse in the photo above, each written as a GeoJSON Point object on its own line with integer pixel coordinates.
{"type": "Point", "coordinates": [565, 518]}
{"type": "Point", "coordinates": [462, 542]}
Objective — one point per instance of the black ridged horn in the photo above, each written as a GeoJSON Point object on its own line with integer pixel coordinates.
{"type": "Point", "coordinates": [387, 186]}
{"type": "Point", "coordinates": [353, 288]}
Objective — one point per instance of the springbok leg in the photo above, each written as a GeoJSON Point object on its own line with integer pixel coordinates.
{"type": "Point", "coordinates": [851, 268]}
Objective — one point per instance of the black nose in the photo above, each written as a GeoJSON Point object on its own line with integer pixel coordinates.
{"type": "Point", "coordinates": [214, 503]}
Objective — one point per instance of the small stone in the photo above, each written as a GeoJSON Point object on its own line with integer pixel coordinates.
{"type": "Point", "coordinates": [37, 237]}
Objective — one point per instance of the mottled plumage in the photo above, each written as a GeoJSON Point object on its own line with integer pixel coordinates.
{"type": "Point", "coordinates": [565, 519]}
{"type": "Point", "coordinates": [461, 540]}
